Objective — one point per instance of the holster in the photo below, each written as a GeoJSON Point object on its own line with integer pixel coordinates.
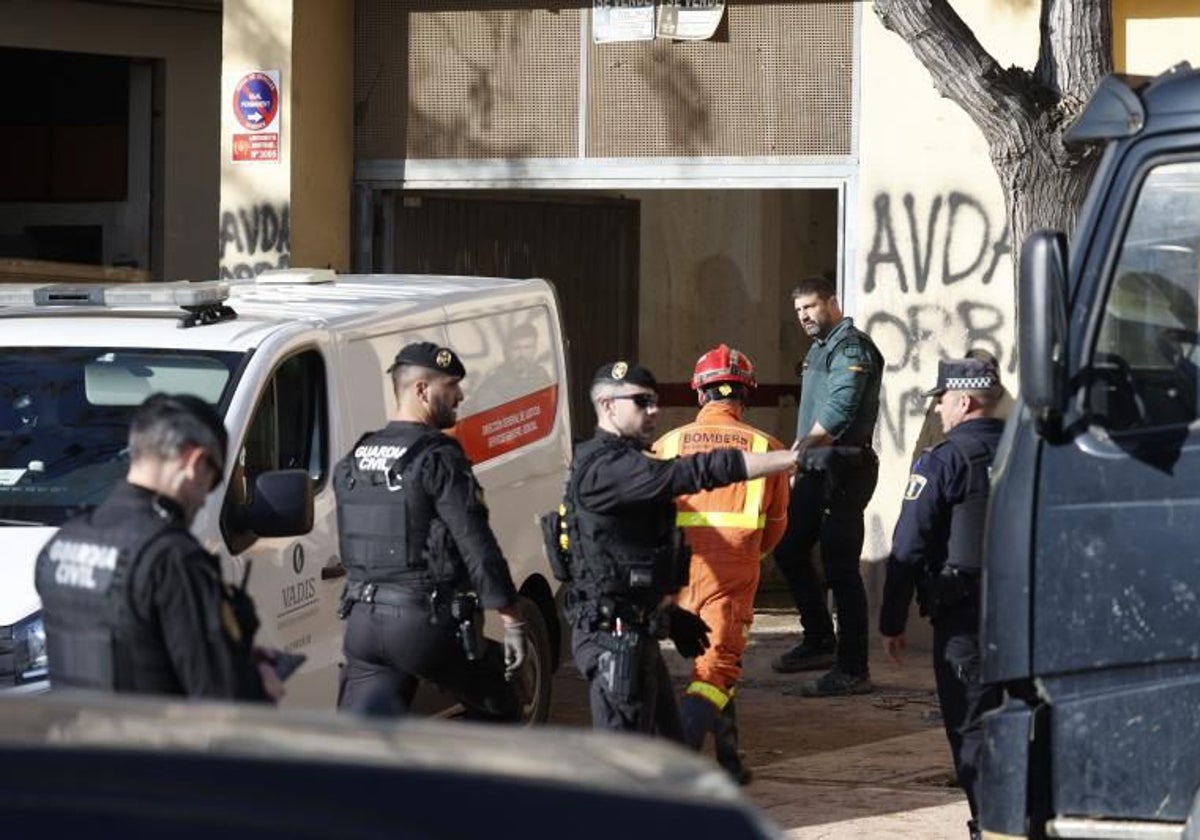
{"type": "Point", "coordinates": [619, 665]}
{"type": "Point", "coordinates": [468, 618]}
{"type": "Point", "coordinates": [953, 590]}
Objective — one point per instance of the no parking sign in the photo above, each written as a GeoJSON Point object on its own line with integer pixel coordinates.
{"type": "Point", "coordinates": [256, 106]}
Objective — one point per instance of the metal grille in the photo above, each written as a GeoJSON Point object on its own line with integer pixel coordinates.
{"type": "Point", "coordinates": [437, 79]}
{"type": "Point", "coordinates": [774, 80]}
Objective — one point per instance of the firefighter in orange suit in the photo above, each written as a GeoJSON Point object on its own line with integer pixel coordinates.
{"type": "Point", "coordinates": [729, 529]}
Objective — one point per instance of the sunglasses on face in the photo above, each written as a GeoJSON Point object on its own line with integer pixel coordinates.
{"type": "Point", "coordinates": [642, 401]}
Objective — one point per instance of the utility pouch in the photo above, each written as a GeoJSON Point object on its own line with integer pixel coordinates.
{"type": "Point", "coordinates": [556, 542]}
{"type": "Point", "coordinates": [619, 665]}
{"type": "Point", "coordinates": [681, 554]}
{"type": "Point", "coordinates": [464, 609]}
{"type": "Point", "coordinates": [952, 591]}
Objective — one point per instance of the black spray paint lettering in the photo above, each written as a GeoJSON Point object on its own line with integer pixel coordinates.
{"type": "Point", "coordinates": [895, 414]}
{"type": "Point", "coordinates": [260, 237]}
{"type": "Point", "coordinates": [963, 213]}
{"type": "Point", "coordinates": [982, 323]}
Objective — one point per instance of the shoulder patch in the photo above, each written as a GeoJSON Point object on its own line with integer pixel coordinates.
{"type": "Point", "coordinates": [916, 483]}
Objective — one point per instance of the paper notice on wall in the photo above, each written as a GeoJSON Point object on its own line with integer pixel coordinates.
{"type": "Point", "coordinates": [689, 20]}
{"type": "Point", "coordinates": [622, 20]}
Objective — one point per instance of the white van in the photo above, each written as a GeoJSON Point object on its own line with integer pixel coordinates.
{"type": "Point", "coordinates": [295, 363]}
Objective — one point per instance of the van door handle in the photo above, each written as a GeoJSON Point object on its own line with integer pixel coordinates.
{"type": "Point", "coordinates": [333, 572]}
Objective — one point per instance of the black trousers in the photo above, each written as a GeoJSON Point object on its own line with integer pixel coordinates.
{"type": "Point", "coordinates": [653, 710]}
{"type": "Point", "coordinates": [962, 698]}
{"type": "Point", "coordinates": [828, 511]}
{"type": "Point", "coordinates": [389, 649]}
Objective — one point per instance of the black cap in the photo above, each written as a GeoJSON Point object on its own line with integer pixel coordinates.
{"type": "Point", "coordinates": [621, 373]}
{"type": "Point", "coordinates": [964, 375]}
{"type": "Point", "coordinates": [426, 354]}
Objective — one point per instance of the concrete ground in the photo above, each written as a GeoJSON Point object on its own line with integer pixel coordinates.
{"type": "Point", "coordinates": [874, 765]}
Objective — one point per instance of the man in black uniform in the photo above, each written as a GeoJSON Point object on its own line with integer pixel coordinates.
{"type": "Point", "coordinates": [937, 550]}
{"type": "Point", "coordinates": [626, 556]}
{"type": "Point", "coordinates": [421, 560]}
{"type": "Point", "coordinates": [131, 601]}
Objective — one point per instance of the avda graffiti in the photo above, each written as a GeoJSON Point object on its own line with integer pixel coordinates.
{"type": "Point", "coordinates": [255, 239]}
{"type": "Point", "coordinates": [961, 211]}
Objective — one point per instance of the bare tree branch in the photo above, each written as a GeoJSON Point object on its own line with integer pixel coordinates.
{"type": "Point", "coordinates": [961, 69]}
{"type": "Point", "coordinates": [1075, 52]}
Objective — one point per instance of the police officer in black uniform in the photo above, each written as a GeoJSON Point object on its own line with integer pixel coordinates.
{"type": "Point", "coordinates": [937, 550]}
{"type": "Point", "coordinates": [421, 560]}
{"type": "Point", "coordinates": [130, 600]}
{"type": "Point", "coordinates": [625, 557]}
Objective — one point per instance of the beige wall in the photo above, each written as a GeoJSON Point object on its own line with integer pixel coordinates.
{"type": "Point", "coordinates": [933, 267]}
{"type": "Point", "coordinates": [716, 266]}
{"type": "Point", "coordinates": [189, 43]}
{"type": "Point", "coordinates": [1150, 36]}
{"type": "Point", "coordinates": [294, 211]}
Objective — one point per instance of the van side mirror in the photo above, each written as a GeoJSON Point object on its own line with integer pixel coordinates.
{"type": "Point", "coordinates": [281, 505]}
{"type": "Point", "coordinates": [1042, 327]}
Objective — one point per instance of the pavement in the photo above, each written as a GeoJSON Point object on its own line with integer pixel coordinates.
{"type": "Point", "coordinates": [869, 766]}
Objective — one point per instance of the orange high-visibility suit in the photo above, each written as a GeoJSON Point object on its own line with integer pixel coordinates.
{"type": "Point", "coordinates": [729, 530]}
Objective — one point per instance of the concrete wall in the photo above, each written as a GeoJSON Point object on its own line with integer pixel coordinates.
{"type": "Point", "coordinates": [296, 210]}
{"type": "Point", "coordinates": [189, 44]}
{"type": "Point", "coordinates": [717, 266]}
{"type": "Point", "coordinates": [933, 264]}
{"type": "Point", "coordinates": [1150, 36]}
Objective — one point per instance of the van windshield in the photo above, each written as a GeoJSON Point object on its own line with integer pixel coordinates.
{"type": "Point", "coordinates": [64, 419]}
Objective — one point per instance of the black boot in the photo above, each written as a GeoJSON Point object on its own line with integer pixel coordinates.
{"type": "Point", "coordinates": [698, 716]}
{"type": "Point", "coordinates": [725, 739]}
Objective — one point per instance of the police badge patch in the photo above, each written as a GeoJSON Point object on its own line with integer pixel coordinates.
{"type": "Point", "coordinates": [916, 483]}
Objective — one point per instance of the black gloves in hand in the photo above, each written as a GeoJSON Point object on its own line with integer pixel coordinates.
{"type": "Point", "coordinates": [516, 648]}
{"type": "Point", "coordinates": [688, 631]}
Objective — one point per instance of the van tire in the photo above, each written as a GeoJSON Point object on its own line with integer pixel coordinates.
{"type": "Point", "coordinates": [537, 674]}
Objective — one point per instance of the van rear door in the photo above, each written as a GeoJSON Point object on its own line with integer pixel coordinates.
{"type": "Point", "coordinates": [1116, 579]}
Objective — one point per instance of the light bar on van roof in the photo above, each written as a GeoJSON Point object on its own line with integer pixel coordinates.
{"type": "Point", "coordinates": [181, 293]}
{"type": "Point", "coordinates": [299, 276]}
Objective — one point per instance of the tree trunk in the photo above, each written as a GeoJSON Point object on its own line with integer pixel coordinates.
{"type": "Point", "coordinates": [1022, 114]}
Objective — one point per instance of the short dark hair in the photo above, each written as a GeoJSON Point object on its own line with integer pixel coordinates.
{"type": "Point", "coordinates": [734, 391]}
{"type": "Point", "coordinates": [817, 285]}
{"type": "Point", "coordinates": [165, 424]}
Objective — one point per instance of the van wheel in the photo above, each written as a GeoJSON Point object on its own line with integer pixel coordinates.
{"type": "Point", "coordinates": [533, 683]}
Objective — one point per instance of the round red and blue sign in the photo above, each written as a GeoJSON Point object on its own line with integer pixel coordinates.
{"type": "Point", "coordinates": [256, 101]}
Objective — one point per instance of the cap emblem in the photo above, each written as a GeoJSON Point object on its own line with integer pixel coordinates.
{"type": "Point", "coordinates": [444, 357]}
{"type": "Point", "coordinates": [619, 370]}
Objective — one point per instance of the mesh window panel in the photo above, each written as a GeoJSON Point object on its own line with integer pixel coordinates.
{"type": "Point", "coordinates": [437, 79]}
{"type": "Point", "coordinates": [774, 80]}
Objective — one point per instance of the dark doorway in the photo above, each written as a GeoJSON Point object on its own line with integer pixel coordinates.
{"type": "Point", "coordinates": [586, 246]}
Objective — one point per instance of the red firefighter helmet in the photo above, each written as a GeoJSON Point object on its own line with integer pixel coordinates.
{"type": "Point", "coordinates": [723, 364]}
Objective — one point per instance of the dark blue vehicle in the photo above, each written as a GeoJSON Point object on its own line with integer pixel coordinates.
{"type": "Point", "coordinates": [1092, 573]}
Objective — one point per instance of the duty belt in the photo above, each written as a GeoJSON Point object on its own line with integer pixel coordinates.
{"type": "Point", "coordinates": [389, 594]}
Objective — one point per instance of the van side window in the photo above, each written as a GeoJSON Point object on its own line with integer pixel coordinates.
{"type": "Point", "coordinates": [1145, 363]}
{"type": "Point", "coordinates": [289, 430]}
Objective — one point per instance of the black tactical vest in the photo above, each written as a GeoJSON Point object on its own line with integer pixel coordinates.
{"type": "Point", "coordinates": [388, 530]}
{"type": "Point", "coordinates": [965, 546]}
{"type": "Point", "coordinates": [93, 638]}
{"type": "Point", "coordinates": [636, 554]}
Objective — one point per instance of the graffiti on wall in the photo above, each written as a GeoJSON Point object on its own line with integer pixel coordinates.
{"type": "Point", "coordinates": [255, 239]}
{"type": "Point", "coordinates": [935, 262]}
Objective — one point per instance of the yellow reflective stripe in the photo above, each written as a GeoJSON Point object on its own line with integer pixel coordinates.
{"type": "Point", "coordinates": [710, 693]}
{"type": "Point", "coordinates": [713, 519]}
{"type": "Point", "coordinates": [750, 517]}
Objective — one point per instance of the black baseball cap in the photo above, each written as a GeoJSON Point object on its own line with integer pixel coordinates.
{"type": "Point", "coordinates": [622, 373]}
{"type": "Point", "coordinates": [964, 375]}
{"type": "Point", "coordinates": [426, 354]}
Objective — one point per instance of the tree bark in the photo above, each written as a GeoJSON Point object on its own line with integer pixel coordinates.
{"type": "Point", "coordinates": [1021, 113]}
